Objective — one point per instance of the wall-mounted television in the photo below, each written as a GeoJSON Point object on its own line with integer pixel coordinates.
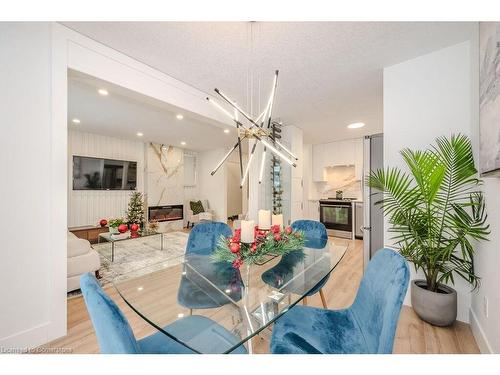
{"type": "Point", "coordinates": [103, 174]}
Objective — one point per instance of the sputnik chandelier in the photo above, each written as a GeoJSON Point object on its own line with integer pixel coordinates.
{"type": "Point", "coordinates": [258, 128]}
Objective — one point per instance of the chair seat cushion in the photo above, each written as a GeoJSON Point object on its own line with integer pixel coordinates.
{"type": "Point", "coordinates": [308, 330]}
{"type": "Point", "coordinates": [199, 332]}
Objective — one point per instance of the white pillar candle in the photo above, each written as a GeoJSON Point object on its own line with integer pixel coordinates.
{"type": "Point", "coordinates": [278, 220]}
{"type": "Point", "coordinates": [264, 219]}
{"type": "Point", "coordinates": [247, 231]}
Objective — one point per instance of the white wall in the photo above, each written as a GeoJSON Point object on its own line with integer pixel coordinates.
{"type": "Point", "coordinates": [486, 327]}
{"type": "Point", "coordinates": [86, 207]}
{"type": "Point", "coordinates": [234, 192]}
{"type": "Point", "coordinates": [213, 188]}
{"type": "Point", "coordinates": [32, 260]}
{"type": "Point", "coordinates": [425, 98]}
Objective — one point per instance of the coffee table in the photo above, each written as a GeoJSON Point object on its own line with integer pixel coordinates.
{"type": "Point", "coordinates": [108, 237]}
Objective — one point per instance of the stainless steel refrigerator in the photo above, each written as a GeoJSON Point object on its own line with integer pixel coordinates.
{"type": "Point", "coordinates": [373, 219]}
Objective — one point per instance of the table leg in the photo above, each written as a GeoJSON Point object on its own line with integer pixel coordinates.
{"type": "Point", "coordinates": [112, 251]}
{"type": "Point", "coordinates": [161, 236]}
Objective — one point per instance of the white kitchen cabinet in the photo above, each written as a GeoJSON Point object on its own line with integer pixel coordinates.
{"type": "Point", "coordinates": [347, 152]}
{"type": "Point", "coordinates": [318, 163]}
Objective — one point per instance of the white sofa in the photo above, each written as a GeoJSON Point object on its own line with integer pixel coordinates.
{"type": "Point", "coordinates": [193, 219]}
{"type": "Point", "coordinates": [81, 259]}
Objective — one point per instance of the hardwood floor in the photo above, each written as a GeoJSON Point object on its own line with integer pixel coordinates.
{"type": "Point", "coordinates": [413, 335]}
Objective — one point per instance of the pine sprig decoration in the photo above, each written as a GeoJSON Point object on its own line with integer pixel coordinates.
{"type": "Point", "coordinates": [277, 241]}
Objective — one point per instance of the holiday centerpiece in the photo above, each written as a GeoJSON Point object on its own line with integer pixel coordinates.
{"type": "Point", "coordinates": [252, 244]}
{"type": "Point", "coordinates": [114, 224]}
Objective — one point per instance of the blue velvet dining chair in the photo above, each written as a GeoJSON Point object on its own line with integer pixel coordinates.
{"type": "Point", "coordinates": [316, 237]}
{"type": "Point", "coordinates": [194, 292]}
{"type": "Point", "coordinates": [204, 236]}
{"type": "Point", "coordinates": [115, 335]}
{"type": "Point", "coordinates": [368, 326]}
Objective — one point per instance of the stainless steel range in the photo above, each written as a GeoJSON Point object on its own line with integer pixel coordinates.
{"type": "Point", "coordinates": [337, 216]}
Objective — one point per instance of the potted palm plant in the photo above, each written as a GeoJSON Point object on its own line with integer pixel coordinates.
{"type": "Point", "coordinates": [436, 212]}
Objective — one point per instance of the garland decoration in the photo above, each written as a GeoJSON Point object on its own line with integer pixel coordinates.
{"type": "Point", "coordinates": [276, 241]}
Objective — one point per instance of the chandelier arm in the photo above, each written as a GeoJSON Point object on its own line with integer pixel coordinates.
{"type": "Point", "coordinates": [224, 159]}
{"type": "Point", "coordinates": [283, 147]}
{"type": "Point", "coordinates": [250, 159]}
{"type": "Point", "coordinates": [278, 153]}
{"type": "Point", "coordinates": [262, 163]}
{"type": "Point", "coordinates": [271, 99]}
{"type": "Point", "coordinates": [239, 150]}
{"type": "Point", "coordinates": [235, 106]}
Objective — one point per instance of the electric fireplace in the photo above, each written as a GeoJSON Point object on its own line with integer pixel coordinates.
{"type": "Point", "coordinates": [166, 213]}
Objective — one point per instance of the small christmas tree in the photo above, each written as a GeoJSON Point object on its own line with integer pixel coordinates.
{"type": "Point", "coordinates": [135, 212]}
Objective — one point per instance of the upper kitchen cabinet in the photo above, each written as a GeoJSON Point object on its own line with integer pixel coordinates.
{"type": "Point", "coordinates": [348, 152]}
{"type": "Point", "coordinates": [319, 163]}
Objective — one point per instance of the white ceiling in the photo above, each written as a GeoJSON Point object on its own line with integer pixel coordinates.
{"type": "Point", "coordinates": [124, 113]}
{"type": "Point", "coordinates": [330, 72]}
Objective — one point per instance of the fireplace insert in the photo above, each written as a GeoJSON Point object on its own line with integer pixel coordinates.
{"type": "Point", "coordinates": [166, 213]}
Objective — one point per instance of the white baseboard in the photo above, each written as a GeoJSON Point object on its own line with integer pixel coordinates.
{"type": "Point", "coordinates": [477, 331]}
{"type": "Point", "coordinates": [29, 338]}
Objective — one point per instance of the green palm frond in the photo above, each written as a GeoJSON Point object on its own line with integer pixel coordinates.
{"type": "Point", "coordinates": [436, 209]}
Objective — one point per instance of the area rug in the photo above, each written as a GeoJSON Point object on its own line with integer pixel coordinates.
{"type": "Point", "coordinates": [137, 257]}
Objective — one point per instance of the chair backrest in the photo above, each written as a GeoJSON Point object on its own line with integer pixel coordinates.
{"type": "Point", "coordinates": [204, 236]}
{"type": "Point", "coordinates": [111, 327]}
{"type": "Point", "coordinates": [378, 303]}
{"type": "Point", "coordinates": [314, 232]}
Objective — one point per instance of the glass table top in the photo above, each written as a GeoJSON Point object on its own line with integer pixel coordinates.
{"type": "Point", "coordinates": [244, 301]}
{"type": "Point", "coordinates": [113, 237]}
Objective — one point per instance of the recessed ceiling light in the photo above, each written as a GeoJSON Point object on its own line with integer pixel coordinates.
{"type": "Point", "coordinates": [226, 131]}
{"type": "Point", "coordinates": [139, 134]}
{"type": "Point", "coordinates": [179, 117]}
{"type": "Point", "coordinates": [76, 121]}
{"type": "Point", "coordinates": [183, 143]}
{"type": "Point", "coordinates": [103, 92]}
{"type": "Point", "coordinates": [356, 125]}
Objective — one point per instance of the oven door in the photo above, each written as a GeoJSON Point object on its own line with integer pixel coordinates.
{"type": "Point", "coordinates": [336, 216]}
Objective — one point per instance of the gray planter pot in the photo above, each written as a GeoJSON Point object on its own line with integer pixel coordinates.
{"type": "Point", "coordinates": [437, 308]}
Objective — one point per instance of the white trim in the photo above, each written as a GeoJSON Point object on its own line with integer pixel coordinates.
{"type": "Point", "coordinates": [31, 337]}
{"type": "Point", "coordinates": [479, 335]}
{"type": "Point", "coordinates": [71, 50]}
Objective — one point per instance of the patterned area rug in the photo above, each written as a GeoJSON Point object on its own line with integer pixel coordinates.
{"type": "Point", "coordinates": [136, 257]}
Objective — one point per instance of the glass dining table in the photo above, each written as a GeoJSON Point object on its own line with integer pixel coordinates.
{"type": "Point", "coordinates": [245, 301]}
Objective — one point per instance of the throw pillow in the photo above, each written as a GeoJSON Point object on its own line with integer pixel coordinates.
{"type": "Point", "coordinates": [196, 207]}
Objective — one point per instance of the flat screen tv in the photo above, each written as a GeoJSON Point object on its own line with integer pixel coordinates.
{"type": "Point", "coordinates": [103, 174]}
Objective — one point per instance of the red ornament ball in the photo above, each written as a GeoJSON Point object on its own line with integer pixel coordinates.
{"type": "Point", "coordinates": [237, 263]}
{"type": "Point", "coordinates": [122, 228]}
{"type": "Point", "coordinates": [253, 248]}
{"type": "Point", "coordinates": [103, 222]}
{"type": "Point", "coordinates": [288, 230]}
{"type": "Point", "coordinates": [134, 227]}
{"type": "Point", "coordinates": [277, 237]}
{"type": "Point", "coordinates": [234, 247]}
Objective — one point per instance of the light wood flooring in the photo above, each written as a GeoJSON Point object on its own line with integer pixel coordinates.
{"type": "Point", "coordinates": [412, 336]}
